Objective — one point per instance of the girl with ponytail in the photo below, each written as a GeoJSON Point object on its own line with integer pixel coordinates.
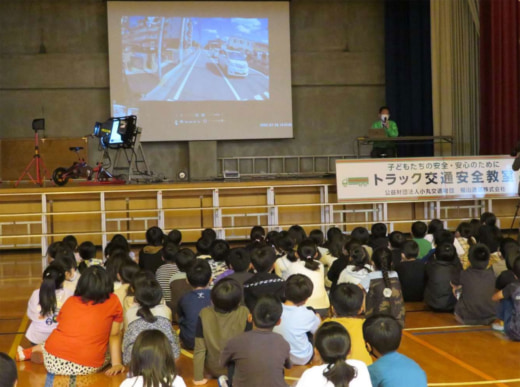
{"type": "Point", "coordinates": [45, 303]}
{"type": "Point", "coordinates": [333, 345]}
{"type": "Point", "coordinates": [384, 295]}
{"type": "Point", "coordinates": [43, 307]}
{"type": "Point", "coordinates": [148, 312]}
{"type": "Point", "coordinates": [309, 265]}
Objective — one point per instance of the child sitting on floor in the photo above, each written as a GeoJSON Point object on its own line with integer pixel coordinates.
{"type": "Point", "coordinates": [216, 325]}
{"type": "Point", "coordinates": [441, 269]}
{"type": "Point", "coordinates": [298, 322]}
{"type": "Point", "coordinates": [148, 313]}
{"type": "Point", "coordinates": [257, 358]}
{"type": "Point", "coordinates": [8, 371]}
{"type": "Point", "coordinates": [190, 305]}
{"type": "Point", "coordinates": [411, 272]}
{"type": "Point", "coordinates": [263, 282]}
{"type": "Point", "coordinates": [347, 302]}
{"type": "Point", "coordinates": [333, 345]}
{"type": "Point", "coordinates": [309, 265]}
{"type": "Point", "coordinates": [383, 287]}
{"type": "Point", "coordinates": [43, 307]}
{"type": "Point", "coordinates": [474, 288]}
{"type": "Point", "coordinates": [509, 309]}
{"type": "Point", "coordinates": [382, 334]}
{"type": "Point", "coordinates": [153, 363]}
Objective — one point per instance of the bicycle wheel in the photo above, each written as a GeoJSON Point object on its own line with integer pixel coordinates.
{"type": "Point", "coordinates": [59, 176]}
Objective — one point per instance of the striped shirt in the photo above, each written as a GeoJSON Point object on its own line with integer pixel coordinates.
{"type": "Point", "coordinates": [163, 275]}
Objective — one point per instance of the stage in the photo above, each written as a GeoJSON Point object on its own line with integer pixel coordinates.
{"type": "Point", "coordinates": [33, 216]}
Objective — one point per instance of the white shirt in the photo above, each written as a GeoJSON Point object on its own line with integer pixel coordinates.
{"type": "Point", "coordinates": [319, 298]}
{"type": "Point", "coordinates": [365, 282]}
{"type": "Point", "coordinates": [313, 377]}
{"type": "Point", "coordinates": [296, 322]}
{"type": "Point", "coordinates": [137, 381]}
{"type": "Point", "coordinates": [349, 276]}
{"type": "Point", "coordinates": [42, 327]}
{"type": "Point", "coordinates": [281, 267]}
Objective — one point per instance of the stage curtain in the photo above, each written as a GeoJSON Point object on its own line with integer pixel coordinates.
{"type": "Point", "coordinates": [408, 71]}
{"type": "Point", "coordinates": [499, 76]}
{"type": "Point", "coordinates": [455, 74]}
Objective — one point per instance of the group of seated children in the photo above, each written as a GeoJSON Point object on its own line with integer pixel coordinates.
{"type": "Point", "coordinates": [283, 299]}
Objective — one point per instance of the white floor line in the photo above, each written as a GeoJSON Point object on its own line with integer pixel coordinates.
{"type": "Point", "coordinates": [179, 91]}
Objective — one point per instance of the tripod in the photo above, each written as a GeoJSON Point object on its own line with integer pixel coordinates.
{"type": "Point", "coordinates": [36, 160]}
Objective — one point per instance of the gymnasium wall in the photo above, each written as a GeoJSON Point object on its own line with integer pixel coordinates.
{"type": "Point", "coordinates": [54, 64]}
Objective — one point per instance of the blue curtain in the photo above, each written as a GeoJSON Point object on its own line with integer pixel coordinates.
{"type": "Point", "coordinates": [408, 71]}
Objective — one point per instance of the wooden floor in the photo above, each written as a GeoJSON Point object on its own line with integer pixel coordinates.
{"type": "Point", "coordinates": [451, 354]}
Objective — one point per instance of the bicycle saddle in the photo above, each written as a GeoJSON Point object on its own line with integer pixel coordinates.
{"type": "Point", "coordinates": [75, 148]}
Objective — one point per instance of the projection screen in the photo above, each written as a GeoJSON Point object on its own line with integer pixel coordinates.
{"type": "Point", "coordinates": [201, 70]}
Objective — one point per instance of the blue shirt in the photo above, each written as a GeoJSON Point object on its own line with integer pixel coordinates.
{"type": "Point", "coordinates": [188, 310]}
{"type": "Point", "coordinates": [296, 322]}
{"type": "Point", "coordinates": [396, 370]}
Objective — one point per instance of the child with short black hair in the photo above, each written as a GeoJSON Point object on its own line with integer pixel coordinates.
{"type": "Point", "coordinates": [309, 265]}
{"type": "Point", "coordinates": [419, 230]}
{"type": "Point", "coordinates": [209, 234]}
{"type": "Point", "coordinates": [190, 304]}
{"type": "Point", "coordinates": [257, 358]}
{"type": "Point", "coordinates": [179, 286]}
{"type": "Point", "coordinates": [216, 325]}
{"type": "Point", "coordinates": [362, 235]}
{"type": "Point", "coordinates": [440, 270]}
{"type": "Point", "coordinates": [475, 288]}
{"type": "Point", "coordinates": [397, 240]}
{"type": "Point", "coordinates": [378, 236]}
{"type": "Point", "coordinates": [298, 322]}
{"type": "Point", "coordinates": [175, 237]}
{"type": "Point", "coordinates": [347, 301]}
{"type": "Point", "coordinates": [219, 253]}
{"type": "Point", "coordinates": [168, 269]}
{"type": "Point", "coordinates": [263, 282]}
{"type": "Point", "coordinates": [382, 334]}
{"type": "Point", "coordinates": [153, 362]}
{"type": "Point", "coordinates": [333, 345]}
{"type": "Point", "coordinates": [203, 246]}
{"type": "Point", "coordinates": [150, 256]}
{"type": "Point", "coordinates": [8, 371]}
{"type": "Point", "coordinates": [240, 262]}
{"type": "Point", "coordinates": [383, 288]}
{"type": "Point", "coordinates": [297, 234]}
{"type": "Point", "coordinates": [411, 272]}
{"type": "Point", "coordinates": [87, 252]}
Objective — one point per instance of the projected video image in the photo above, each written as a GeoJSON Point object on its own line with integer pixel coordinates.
{"type": "Point", "coordinates": [195, 59]}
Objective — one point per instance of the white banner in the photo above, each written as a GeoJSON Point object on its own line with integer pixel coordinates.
{"type": "Point", "coordinates": [431, 178]}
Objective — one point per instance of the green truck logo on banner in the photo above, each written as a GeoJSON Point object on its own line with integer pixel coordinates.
{"type": "Point", "coordinates": [359, 181]}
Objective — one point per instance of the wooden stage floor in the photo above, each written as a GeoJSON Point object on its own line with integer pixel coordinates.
{"type": "Point", "coordinates": [451, 354]}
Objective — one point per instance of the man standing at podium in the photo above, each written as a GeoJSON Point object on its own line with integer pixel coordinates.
{"type": "Point", "coordinates": [380, 148]}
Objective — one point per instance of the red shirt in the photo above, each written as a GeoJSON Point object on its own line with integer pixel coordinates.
{"type": "Point", "coordinates": [83, 331]}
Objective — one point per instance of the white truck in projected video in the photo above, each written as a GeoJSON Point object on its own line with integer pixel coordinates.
{"type": "Point", "coordinates": [195, 59]}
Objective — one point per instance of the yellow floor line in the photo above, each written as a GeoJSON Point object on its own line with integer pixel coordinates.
{"type": "Point", "coordinates": [19, 336]}
{"type": "Point", "coordinates": [442, 327]}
